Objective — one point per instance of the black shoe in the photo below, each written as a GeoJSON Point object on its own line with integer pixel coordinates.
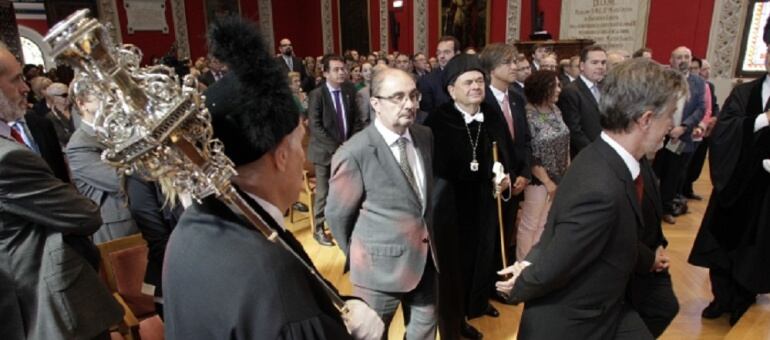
{"type": "Point", "coordinates": [491, 311]}
{"type": "Point", "coordinates": [693, 196]}
{"type": "Point", "coordinates": [497, 296]}
{"type": "Point", "coordinates": [713, 311]}
{"type": "Point", "coordinates": [323, 239]}
{"type": "Point", "coordinates": [470, 332]}
{"type": "Point", "coordinates": [736, 314]}
{"type": "Point", "coordinates": [299, 206]}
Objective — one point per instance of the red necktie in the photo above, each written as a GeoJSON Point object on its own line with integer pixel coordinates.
{"type": "Point", "coordinates": [15, 134]}
{"type": "Point", "coordinates": [639, 183]}
{"type": "Point", "coordinates": [508, 116]}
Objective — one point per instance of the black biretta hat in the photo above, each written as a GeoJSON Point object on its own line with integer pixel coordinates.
{"type": "Point", "coordinates": [251, 108]}
{"type": "Point", "coordinates": [459, 65]}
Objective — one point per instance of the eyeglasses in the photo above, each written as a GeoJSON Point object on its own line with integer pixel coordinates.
{"type": "Point", "coordinates": [63, 95]}
{"type": "Point", "coordinates": [399, 98]}
{"type": "Point", "coordinates": [285, 45]}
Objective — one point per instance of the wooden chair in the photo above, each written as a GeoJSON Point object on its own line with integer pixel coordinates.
{"type": "Point", "coordinates": [307, 195]}
{"type": "Point", "coordinates": [124, 262]}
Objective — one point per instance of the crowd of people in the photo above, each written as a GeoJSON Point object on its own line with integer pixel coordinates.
{"type": "Point", "coordinates": [447, 181]}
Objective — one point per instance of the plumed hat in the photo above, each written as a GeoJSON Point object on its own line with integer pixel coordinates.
{"type": "Point", "coordinates": [459, 65]}
{"type": "Point", "coordinates": [251, 108]}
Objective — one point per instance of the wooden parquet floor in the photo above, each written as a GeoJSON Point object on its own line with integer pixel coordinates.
{"type": "Point", "coordinates": [691, 285]}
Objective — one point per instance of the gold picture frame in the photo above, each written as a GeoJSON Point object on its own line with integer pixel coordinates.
{"type": "Point", "coordinates": [470, 23]}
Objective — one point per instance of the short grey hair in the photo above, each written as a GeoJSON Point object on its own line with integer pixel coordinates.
{"type": "Point", "coordinates": [379, 73]}
{"type": "Point", "coordinates": [634, 87]}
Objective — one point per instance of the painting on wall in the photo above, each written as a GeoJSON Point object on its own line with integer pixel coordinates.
{"type": "Point", "coordinates": [220, 8]}
{"type": "Point", "coordinates": [466, 20]}
{"type": "Point", "coordinates": [753, 49]}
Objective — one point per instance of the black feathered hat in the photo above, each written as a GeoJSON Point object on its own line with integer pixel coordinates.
{"type": "Point", "coordinates": [459, 65]}
{"type": "Point", "coordinates": [251, 108]}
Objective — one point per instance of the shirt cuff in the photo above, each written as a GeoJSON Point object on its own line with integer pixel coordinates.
{"type": "Point", "coordinates": [760, 122]}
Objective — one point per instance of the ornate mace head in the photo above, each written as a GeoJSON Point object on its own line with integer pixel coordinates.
{"type": "Point", "coordinates": [149, 123]}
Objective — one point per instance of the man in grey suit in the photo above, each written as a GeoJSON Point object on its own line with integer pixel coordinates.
{"type": "Point", "coordinates": [574, 281]}
{"type": "Point", "coordinates": [379, 207]}
{"type": "Point", "coordinates": [94, 178]}
{"type": "Point", "coordinates": [48, 290]}
{"type": "Point", "coordinates": [334, 117]}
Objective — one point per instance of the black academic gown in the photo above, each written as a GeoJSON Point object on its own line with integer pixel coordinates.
{"type": "Point", "coordinates": [476, 222]}
{"type": "Point", "coordinates": [223, 280]}
{"type": "Point", "coordinates": [735, 232]}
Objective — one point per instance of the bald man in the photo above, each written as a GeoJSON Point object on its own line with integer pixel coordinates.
{"type": "Point", "coordinates": [671, 162]}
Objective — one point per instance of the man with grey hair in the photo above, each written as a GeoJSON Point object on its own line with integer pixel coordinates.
{"type": "Point", "coordinates": [49, 288]}
{"type": "Point", "coordinates": [379, 207]}
{"type": "Point", "coordinates": [574, 281]}
{"type": "Point", "coordinates": [671, 162]}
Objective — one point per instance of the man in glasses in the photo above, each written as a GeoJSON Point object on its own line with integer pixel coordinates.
{"type": "Point", "coordinates": [289, 61]}
{"type": "Point", "coordinates": [379, 207]}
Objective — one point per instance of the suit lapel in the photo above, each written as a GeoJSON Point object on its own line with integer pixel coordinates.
{"type": "Point", "coordinates": [387, 162]}
{"type": "Point", "coordinates": [348, 111]}
{"type": "Point", "coordinates": [621, 170]}
{"type": "Point", "coordinates": [494, 106]}
{"type": "Point", "coordinates": [422, 145]}
{"type": "Point", "coordinates": [586, 92]}
{"type": "Point", "coordinates": [332, 116]}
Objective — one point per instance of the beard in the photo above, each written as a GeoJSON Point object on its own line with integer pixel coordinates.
{"type": "Point", "coordinates": [8, 111]}
{"type": "Point", "coordinates": [288, 52]}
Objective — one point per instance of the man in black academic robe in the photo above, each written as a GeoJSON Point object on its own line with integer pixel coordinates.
{"type": "Point", "coordinates": [471, 182]}
{"type": "Point", "coordinates": [734, 239]}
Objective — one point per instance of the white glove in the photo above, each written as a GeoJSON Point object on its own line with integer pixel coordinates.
{"type": "Point", "coordinates": [766, 164]}
{"type": "Point", "coordinates": [505, 287]}
{"type": "Point", "coordinates": [499, 172]}
{"type": "Point", "coordinates": [362, 321]}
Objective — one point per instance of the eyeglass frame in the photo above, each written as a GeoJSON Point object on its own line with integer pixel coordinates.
{"type": "Point", "coordinates": [394, 97]}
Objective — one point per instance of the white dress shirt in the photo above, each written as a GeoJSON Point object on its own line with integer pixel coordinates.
{"type": "Point", "coordinates": [412, 155]}
{"type": "Point", "coordinates": [631, 163]}
{"type": "Point", "coordinates": [271, 209]}
{"type": "Point", "coordinates": [498, 96]}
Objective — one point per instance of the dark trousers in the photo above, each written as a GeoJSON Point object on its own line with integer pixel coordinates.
{"type": "Point", "coordinates": [631, 326]}
{"type": "Point", "coordinates": [728, 293]}
{"type": "Point", "coordinates": [652, 296]}
{"type": "Point", "coordinates": [696, 165]}
{"type": "Point", "coordinates": [671, 169]}
{"type": "Point", "coordinates": [322, 173]}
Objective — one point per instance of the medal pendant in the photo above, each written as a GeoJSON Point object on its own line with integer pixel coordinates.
{"type": "Point", "coordinates": [474, 165]}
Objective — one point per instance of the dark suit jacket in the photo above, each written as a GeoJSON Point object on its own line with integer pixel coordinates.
{"type": "Point", "coordinates": [254, 290]}
{"type": "Point", "coordinates": [576, 284]}
{"type": "Point", "coordinates": [564, 79]}
{"type": "Point", "coordinates": [651, 233]}
{"type": "Point", "coordinates": [378, 220]}
{"type": "Point", "coordinates": [101, 183]}
{"type": "Point", "coordinates": [581, 114]}
{"type": "Point", "coordinates": [520, 150]}
{"type": "Point", "coordinates": [207, 78]}
{"type": "Point", "coordinates": [296, 66]}
{"type": "Point", "coordinates": [47, 290]}
{"type": "Point", "coordinates": [433, 91]}
{"type": "Point", "coordinates": [155, 219]}
{"type": "Point", "coordinates": [517, 89]}
{"type": "Point", "coordinates": [324, 133]}
{"type": "Point", "coordinates": [44, 134]}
